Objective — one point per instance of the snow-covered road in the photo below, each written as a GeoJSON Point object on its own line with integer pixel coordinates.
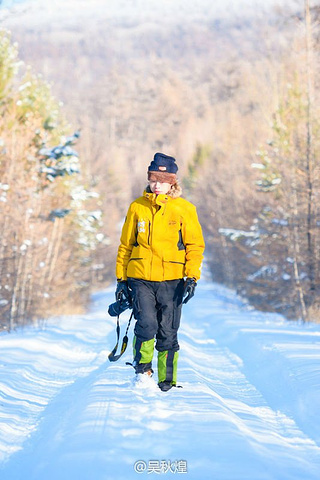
{"type": "Point", "coordinates": [248, 408]}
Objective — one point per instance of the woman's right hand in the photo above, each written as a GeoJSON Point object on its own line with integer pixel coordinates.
{"type": "Point", "coordinates": [122, 291]}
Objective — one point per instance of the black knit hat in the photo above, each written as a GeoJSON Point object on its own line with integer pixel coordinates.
{"type": "Point", "coordinates": [163, 164]}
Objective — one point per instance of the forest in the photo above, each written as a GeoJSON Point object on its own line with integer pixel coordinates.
{"type": "Point", "coordinates": [88, 95]}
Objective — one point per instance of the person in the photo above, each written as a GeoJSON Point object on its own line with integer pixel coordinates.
{"type": "Point", "coordinates": [158, 265]}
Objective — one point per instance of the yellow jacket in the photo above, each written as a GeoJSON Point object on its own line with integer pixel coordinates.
{"type": "Point", "coordinates": [161, 240]}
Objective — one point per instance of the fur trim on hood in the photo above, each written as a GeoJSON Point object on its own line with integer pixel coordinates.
{"type": "Point", "coordinates": [174, 192]}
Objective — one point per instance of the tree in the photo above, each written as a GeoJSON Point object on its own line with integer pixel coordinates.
{"type": "Point", "coordinates": [290, 175]}
{"type": "Point", "coordinates": [50, 222]}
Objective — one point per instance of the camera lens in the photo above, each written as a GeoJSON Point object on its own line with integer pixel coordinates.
{"type": "Point", "coordinates": [116, 308]}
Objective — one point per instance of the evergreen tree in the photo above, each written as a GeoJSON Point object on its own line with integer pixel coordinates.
{"type": "Point", "coordinates": [50, 221]}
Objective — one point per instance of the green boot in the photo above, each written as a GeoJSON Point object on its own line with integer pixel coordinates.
{"type": "Point", "coordinates": [142, 355]}
{"type": "Point", "coordinates": [167, 369]}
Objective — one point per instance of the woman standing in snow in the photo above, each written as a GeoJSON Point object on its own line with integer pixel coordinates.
{"type": "Point", "coordinates": [158, 265]}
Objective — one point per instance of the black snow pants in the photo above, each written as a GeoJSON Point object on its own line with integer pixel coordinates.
{"type": "Point", "coordinates": [157, 310]}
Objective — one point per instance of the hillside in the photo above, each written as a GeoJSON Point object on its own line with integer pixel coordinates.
{"type": "Point", "coordinates": [141, 76]}
{"type": "Point", "coordinates": [201, 81]}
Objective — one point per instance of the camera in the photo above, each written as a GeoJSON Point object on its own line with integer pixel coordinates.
{"type": "Point", "coordinates": [116, 308]}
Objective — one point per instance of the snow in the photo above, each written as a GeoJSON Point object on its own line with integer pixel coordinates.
{"type": "Point", "coordinates": [248, 408]}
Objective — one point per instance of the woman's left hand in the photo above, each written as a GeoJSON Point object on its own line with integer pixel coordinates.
{"type": "Point", "coordinates": [189, 288]}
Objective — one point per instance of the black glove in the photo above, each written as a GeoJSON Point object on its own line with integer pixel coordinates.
{"type": "Point", "coordinates": [189, 288]}
{"type": "Point", "coordinates": [122, 291]}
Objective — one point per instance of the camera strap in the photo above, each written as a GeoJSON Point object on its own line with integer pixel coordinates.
{"type": "Point", "coordinates": [112, 355]}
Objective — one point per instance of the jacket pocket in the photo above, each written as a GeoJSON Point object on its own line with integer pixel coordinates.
{"type": "Point", "coordinates": [174, 265]}
{"type": "Point", "coordinates": [139, 263]}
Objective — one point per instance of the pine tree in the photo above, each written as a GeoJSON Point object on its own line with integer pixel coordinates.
{"type": "Point", "coordinates": [50, 222]}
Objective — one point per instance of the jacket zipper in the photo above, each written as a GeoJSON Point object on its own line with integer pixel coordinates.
{"type": "Point", "coordinates": [149, 232]}
{"type": "Point", "coordinates": [151, 226]}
